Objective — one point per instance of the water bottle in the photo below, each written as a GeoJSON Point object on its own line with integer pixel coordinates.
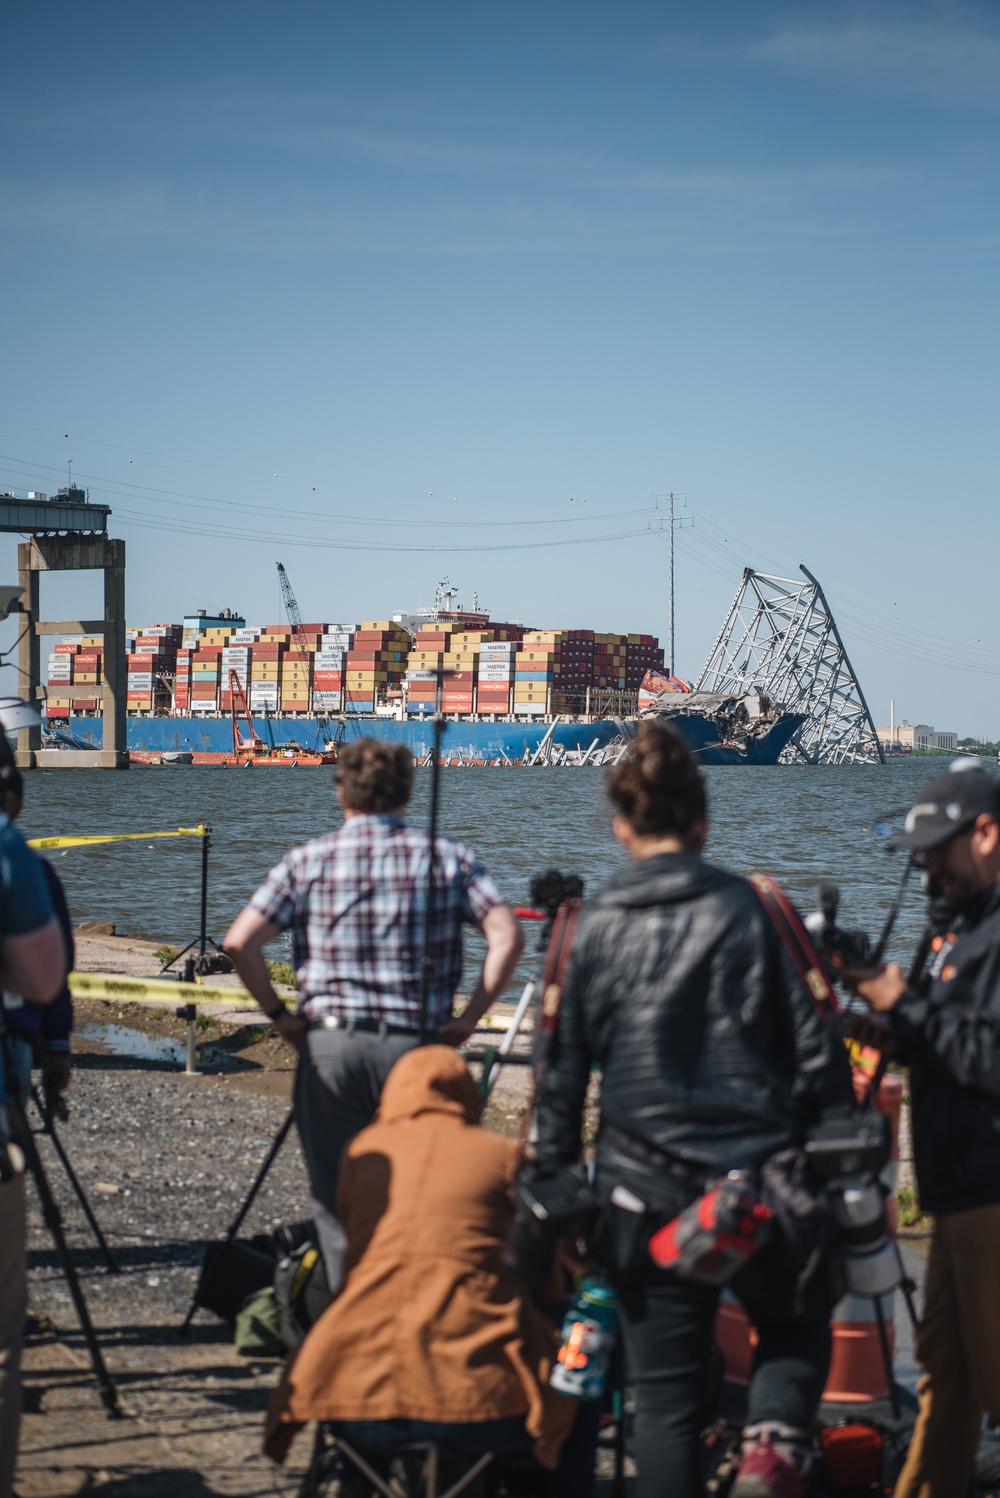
{"type": "Point", "coordinates": [588, 1336]}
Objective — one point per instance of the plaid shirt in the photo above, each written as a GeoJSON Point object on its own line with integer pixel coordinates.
{"type": "Point", "coordinates": [356, 902]}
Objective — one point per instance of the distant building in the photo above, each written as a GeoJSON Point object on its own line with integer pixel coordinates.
{"type": "Point", "coordinates": [906, 737]}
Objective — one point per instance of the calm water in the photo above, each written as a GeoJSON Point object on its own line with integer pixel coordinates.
{"type": "Point", "coordinates": [801, 825]}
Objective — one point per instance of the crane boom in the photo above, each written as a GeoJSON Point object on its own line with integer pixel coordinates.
{"type": "Point", "coordinates": [291, 605]}
{"type": "Point", "coordinates": [327, 731]}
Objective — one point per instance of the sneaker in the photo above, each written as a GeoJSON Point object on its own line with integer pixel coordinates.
{"type": "Point", "coordinates": [773, 1463]}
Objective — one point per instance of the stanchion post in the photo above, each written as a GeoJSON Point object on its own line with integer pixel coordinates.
{"type": "Point", "coordinates": [203, 935]}
{"type": "Point", "coordinates": [189, 1012]}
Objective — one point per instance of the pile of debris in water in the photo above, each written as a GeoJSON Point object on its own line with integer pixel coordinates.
{"type": "Point", "coordinates": [739, 720]}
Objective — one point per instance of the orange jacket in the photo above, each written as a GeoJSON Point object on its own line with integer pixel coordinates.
{"type": "Point", "coordinates": [429, 1324]}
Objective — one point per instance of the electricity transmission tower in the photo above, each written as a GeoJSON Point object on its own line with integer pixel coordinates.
{"type": "Point", "coordinates": [781, 641]}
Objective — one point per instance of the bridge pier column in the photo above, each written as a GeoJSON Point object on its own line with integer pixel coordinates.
{"type": "Point", "coordinates": [69, 553]}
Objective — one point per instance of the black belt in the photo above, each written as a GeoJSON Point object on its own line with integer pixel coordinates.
{"type": "Point", "coordinates": [359, 1026]}
{"type": "Point", "coordinates": [693, 1177]}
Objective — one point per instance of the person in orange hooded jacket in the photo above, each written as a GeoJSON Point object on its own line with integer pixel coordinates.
{"type": "Point", "coordinates": [430, 1335]}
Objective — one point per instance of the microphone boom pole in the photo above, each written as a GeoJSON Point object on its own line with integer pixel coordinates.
{"type": "Point", "coordinates": [427, 965]}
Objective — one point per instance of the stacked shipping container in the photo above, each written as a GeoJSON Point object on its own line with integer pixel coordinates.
{"type": "Point", "coordinates": [490, 670]}
{"type": "Point", "coordinates": [375, 664]}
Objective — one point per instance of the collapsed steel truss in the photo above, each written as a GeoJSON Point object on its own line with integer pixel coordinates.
{"type": "Point", "coordinates": [781, 642]}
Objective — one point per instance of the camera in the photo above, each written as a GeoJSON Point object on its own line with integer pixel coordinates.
{"type": "Point", "coordinates": [546, 1208]}
{"type": "Point", "coordinates": [552, 889]}
{"type": "Point", "coordinates": [838, 946]}
{"type": "Point", "coordinates": [847, 1151]}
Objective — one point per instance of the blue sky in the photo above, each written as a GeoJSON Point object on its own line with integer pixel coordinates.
{"type": "Point", "coordinates": [385, 291]}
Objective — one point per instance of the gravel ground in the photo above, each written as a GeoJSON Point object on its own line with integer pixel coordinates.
{"type": "Point", "coordinates": [165, 1160]}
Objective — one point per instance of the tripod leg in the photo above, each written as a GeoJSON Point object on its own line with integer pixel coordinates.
{"type": "Point", "coordinates": [883, 1342]}
{"type": "Point", "coordinates": [908, 1286]}
{"type": "Point", "coordinates": [53, 1221]}
{"type": "Point", "coordinates": [237, 1222]}
{"type": "Point", "coordinates": [60, 1150]}
{"type": "Point", "coordinates": [493, 1067]}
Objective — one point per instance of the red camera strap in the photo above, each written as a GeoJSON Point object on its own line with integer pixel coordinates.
{"type": "Point", "coordinates": [797, 943]}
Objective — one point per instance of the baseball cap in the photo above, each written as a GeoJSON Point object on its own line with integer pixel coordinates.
{"type": "Point", "coordinates": [946, 805]}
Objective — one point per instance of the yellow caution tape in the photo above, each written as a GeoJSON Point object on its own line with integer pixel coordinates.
{"type": "Point", "coordinates": [503, 1022]}
{"type": "Point", "coordinates": [42, 843]}
{"type": "Point", "coordinates": [115, 986]}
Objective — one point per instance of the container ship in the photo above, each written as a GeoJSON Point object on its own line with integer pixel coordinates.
{"type": "Point", "coordinates": [214, 689]}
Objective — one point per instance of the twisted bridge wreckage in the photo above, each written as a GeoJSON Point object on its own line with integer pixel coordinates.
{"type": "Point", "coordinates": [780, 656]}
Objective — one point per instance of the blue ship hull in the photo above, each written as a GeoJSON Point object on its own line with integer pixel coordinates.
{"type": "Point", "coordinates": [461, 740]}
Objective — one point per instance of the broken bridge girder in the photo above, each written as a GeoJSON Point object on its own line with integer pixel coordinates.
{"type": "Point", "coordinates": [781, 642]}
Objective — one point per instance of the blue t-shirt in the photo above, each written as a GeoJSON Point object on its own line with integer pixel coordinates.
{"type": "Point", "coordinates": [24, 897]}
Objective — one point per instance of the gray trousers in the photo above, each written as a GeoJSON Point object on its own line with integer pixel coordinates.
{"type": "Point", "coordinates": [337, 1088]}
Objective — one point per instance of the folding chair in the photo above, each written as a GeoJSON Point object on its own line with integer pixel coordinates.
{"type": "Point", "coordinates": [418, 1462]}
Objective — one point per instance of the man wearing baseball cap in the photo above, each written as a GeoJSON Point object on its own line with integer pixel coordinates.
{"type": "Point", "coordinates": [948, 1031]}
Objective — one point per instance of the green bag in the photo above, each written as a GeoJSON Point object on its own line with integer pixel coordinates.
{"type": "Point", "coordinates": [258, 1327]}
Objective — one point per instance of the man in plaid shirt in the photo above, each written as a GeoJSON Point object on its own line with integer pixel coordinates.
{"type": "Point", "coordinates": [356, 903]}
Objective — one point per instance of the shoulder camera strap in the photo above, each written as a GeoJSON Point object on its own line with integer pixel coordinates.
{"type": "Point", "coordinates": [554, 971]}
{"type": "Point", "coordinates": [797, 943]}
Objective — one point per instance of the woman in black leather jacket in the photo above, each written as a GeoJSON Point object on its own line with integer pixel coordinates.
{"type": "Point", "coordinates": [713, 1058]}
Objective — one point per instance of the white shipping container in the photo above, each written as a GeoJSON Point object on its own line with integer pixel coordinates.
{"type": "Point", "coordinates": [421, 676]}
{"type": "Point", "coordinates": [73, 640]}
{"type": "Point", "coordinates": [496, 673]}
{"type": "Point", "coordinates": [499, 647]}
{"type": "Point", "coordinates": [327, 701]}
{"type": "Point", "coordinates": [141, 679]}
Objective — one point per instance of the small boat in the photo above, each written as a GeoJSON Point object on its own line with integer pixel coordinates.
{"type": "Point", "coordinates": [177, 757]}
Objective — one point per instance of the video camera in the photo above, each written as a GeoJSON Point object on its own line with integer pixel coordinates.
{"type": "Point", "coordinates": [839, 947]}
{"type": "Point", "coordinates": [551, 889]}
{"type": "Point", "coordinates": [846, 1151]}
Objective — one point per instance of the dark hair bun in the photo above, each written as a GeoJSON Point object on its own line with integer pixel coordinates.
{"type": "Point", "coordinates": [657, 785]}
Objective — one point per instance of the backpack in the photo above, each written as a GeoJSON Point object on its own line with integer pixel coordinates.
{"type": "Point", "coordinates": [302, 1292]}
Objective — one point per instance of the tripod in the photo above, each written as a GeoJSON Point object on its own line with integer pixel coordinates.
{"type": "Point", "coordinates": [48, 1107]}
{"type": "Point", "coordinates": [205, 962]}
{"type": "Point", "coordinates": [52, 1216]}
{"type": "Point", "coordinates": [215, 1262]}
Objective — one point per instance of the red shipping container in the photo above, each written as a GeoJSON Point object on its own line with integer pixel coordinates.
{"type": "Point", "coordinates": [67, 649]}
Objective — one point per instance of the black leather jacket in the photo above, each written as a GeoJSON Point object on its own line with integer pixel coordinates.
{"type": "Point", "coordinates": [711, 1048]}
{"type": "Point", "coordinates": [950, 1035]}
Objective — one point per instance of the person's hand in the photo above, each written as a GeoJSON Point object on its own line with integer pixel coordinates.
{"type": "Point", "coordinates": [869, 1030]}
{"type": "Point", "coordinates": [56, 1071]}
{"type": "Point", "coordinates": [883, 990]}
{"type": "Point", "coordinates": [455, 1031]}
{"type": "Point", "coordinates": [291, 1028]}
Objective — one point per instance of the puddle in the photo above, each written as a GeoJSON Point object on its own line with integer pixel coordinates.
{"type": "Point", "coordinates": [120, 1040]}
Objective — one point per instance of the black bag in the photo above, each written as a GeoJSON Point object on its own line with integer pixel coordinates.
{"type": "Point", "coordinates": [230, 1273]}
{"type": "Point", "coordinates": [302, 1292]}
